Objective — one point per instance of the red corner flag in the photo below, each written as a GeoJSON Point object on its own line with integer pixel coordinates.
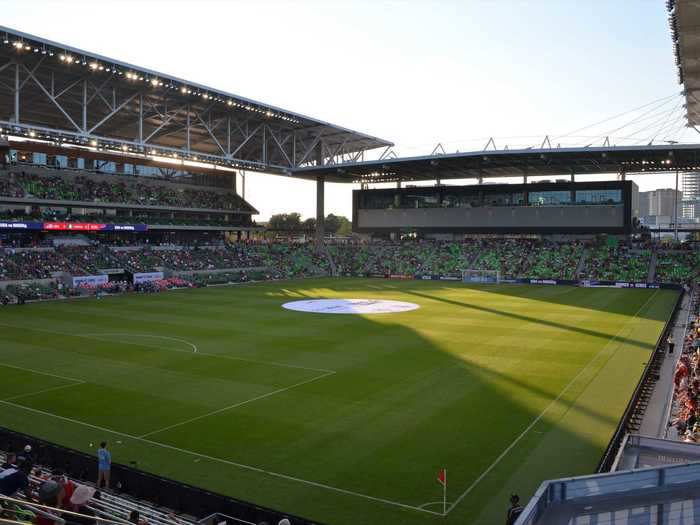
{"type": "Point", "coordinates": [442, 477]}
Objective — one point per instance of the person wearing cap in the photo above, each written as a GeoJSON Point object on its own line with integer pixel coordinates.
{"type": "Point", "coordinates": [284, 521]}
{"type": "Point", "coordinates": [515, 510]}
{"type": "Point", "coordinates": [81, 496]}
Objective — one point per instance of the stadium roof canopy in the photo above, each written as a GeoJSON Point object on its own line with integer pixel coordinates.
{"type": "Point", "coordinates": [63, 95]}
{"type": "Point", "coordinates": [515, 163]}
{"type": "Point", "coordinates": [684, 20]}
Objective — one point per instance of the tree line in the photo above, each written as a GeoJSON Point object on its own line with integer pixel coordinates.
{"type": "Point", "coordinates": [292, 222]}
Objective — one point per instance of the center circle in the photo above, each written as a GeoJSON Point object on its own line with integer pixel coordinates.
{"type": "Point", "coordinates": [350, 306]}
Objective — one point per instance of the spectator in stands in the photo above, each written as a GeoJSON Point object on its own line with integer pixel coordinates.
{"type": "Point", "coordinates": [104, 466]}
{"type": "Point", "coordinates": [284, 521]}
{"type": "Point", "coordinates": [15, 478]}
{"type": "Point", "coordinates": [50, 494]}
{"type": "Point", "coordinates": [78, 501]}
{"type": "Point", "coordinates": [10, 461]}
{"type": "Point", "coordinates": [670, 342]}
{"type": "Point", "coordinates": [135, 517]}
{"type": "Point", "coordinates": [515, 510]}
{"type": "Point", "coordinates": [67, 484]}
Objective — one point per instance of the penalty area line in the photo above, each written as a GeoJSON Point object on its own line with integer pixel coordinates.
{"type": "Point", "coordinates": [44, 391]}
{"type": "Point", "coordinates": [228, 462]}
{"type": "Point", "coordinates": [236, 405]}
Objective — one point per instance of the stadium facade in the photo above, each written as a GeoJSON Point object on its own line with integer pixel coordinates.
{"type": "Point", "coordinates": [538, 208]}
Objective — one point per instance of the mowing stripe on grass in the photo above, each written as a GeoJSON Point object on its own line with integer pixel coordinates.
{"type": "Point", "coordinates": [236, 405]}
{"type": "Point", "coordinates": [42, 373]}
{"type": "Point", "coordinates": [98, 337]}
{"type": "Point", "coordinates": [226, 461]}
{"type": "Point", "coordinates": [45, 390]}
{"type": "Point", "coordinates": [541, 415]}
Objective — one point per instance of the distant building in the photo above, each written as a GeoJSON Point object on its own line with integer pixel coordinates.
{"type": "Point", "coordinates": [691, 193]}
{"type": "Point", "coordinates": [660, 202]}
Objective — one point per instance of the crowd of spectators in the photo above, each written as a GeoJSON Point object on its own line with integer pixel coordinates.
{"type": "Point", "coordinates": [618, 263]}
{"type": "Point", "coordinates": [140, 217]}
{"type": "Point", "coordinates": [678, 266]}
{"type": "Point", "coordinates": [686, 380]}
{"type": "Point", "coordinates": [119, 191]}
{"type": "Point", "coordinates": [512, 258]}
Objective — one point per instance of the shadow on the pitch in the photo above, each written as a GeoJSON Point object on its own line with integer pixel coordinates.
{"type": "Point", "coordinates": [399, 407]}
{"type": "Point", "coordinates": [612, 300]}
{"type": "Point", "coordinates": [530, 319]}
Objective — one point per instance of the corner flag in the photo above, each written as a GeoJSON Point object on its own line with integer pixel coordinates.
{"type": "Point", "coordinates": [442, 479]}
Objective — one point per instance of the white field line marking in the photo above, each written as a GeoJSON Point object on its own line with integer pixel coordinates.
{"type": "Point", "coordinates": [192, 345]}
{"type": "Point", "coordinates": [99, 337]}
{"type": "Point", "coordinates": [222, 356]}
{"type": "Point", "coordinates": [433, 503]}
{"type": "Point", "coordinates": [42, 373]}
{"type": "Point", "coordinates": [52, 389]}
{"type": "Point", "coordinates": [231, 407]}
{"type": "Point", "coordinates": [227, 462]}
{"type": "Point", "coordinates": [550, 405]}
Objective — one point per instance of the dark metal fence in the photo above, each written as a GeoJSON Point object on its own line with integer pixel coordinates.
{"type": "Point", "coordinates": [131, 482]}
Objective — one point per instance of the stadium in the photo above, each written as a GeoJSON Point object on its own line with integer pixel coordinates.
{"type": "Point", "coordinates": [499, 339]}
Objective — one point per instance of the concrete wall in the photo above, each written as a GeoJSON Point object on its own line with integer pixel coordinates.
{"type": "Point", "coordinates": [535, 217]}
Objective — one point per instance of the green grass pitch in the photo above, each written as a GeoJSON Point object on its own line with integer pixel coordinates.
{"type": "Point", "coordinates": [344, 419]}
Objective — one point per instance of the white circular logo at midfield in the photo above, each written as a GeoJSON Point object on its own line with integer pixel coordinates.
{"type": "Point", "coordinates": [350, 306]}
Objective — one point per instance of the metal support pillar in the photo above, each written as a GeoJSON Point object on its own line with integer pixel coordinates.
{"type": "Point", "coordinates": [675, 210]}
{"type": "Point", "coordinates": [140, 119]}
{"type": "Point", "coordinates": [85, 104]}
{"type": "Point", "coordinates": [320, 210]}
{"type": "Point", "coordinates": [398, 184]}
{"type": "Point", "coordinates": [16, 93]}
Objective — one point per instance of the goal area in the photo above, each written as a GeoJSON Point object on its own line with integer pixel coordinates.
{"type": "Point", "coordinates": [481, 276]}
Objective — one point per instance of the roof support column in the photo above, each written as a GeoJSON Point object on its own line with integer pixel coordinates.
{"type": "Point", "coordinates": [85, 104]}
{"type": "Point", "coordinates": [141, 118]}
{"type": "Point", "coordinates": [17, 92]}
{"type": "Point", "coordinates": [189, 124]}
{"type": "Point", "coordinates": [675, 210]}
{"type": "Point", "coordinates": [320, 210]}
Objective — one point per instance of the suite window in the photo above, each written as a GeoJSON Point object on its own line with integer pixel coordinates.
{"type": "Point", "coordinates": [548, 198]}
{"type": "Point", "coordinates": [599, 197]}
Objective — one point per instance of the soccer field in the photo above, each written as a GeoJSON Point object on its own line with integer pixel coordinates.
{"type": "Point", "coordinates": [344, 419]}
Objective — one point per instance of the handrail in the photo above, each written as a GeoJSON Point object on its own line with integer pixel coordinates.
{"type": "Point", "coordinates": [557, 491]}
{"type": "Point", "coordinates": [56, 510]}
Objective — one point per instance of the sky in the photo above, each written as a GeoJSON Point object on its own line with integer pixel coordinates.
{"type": "Point", "coordinates": [417, 73]}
